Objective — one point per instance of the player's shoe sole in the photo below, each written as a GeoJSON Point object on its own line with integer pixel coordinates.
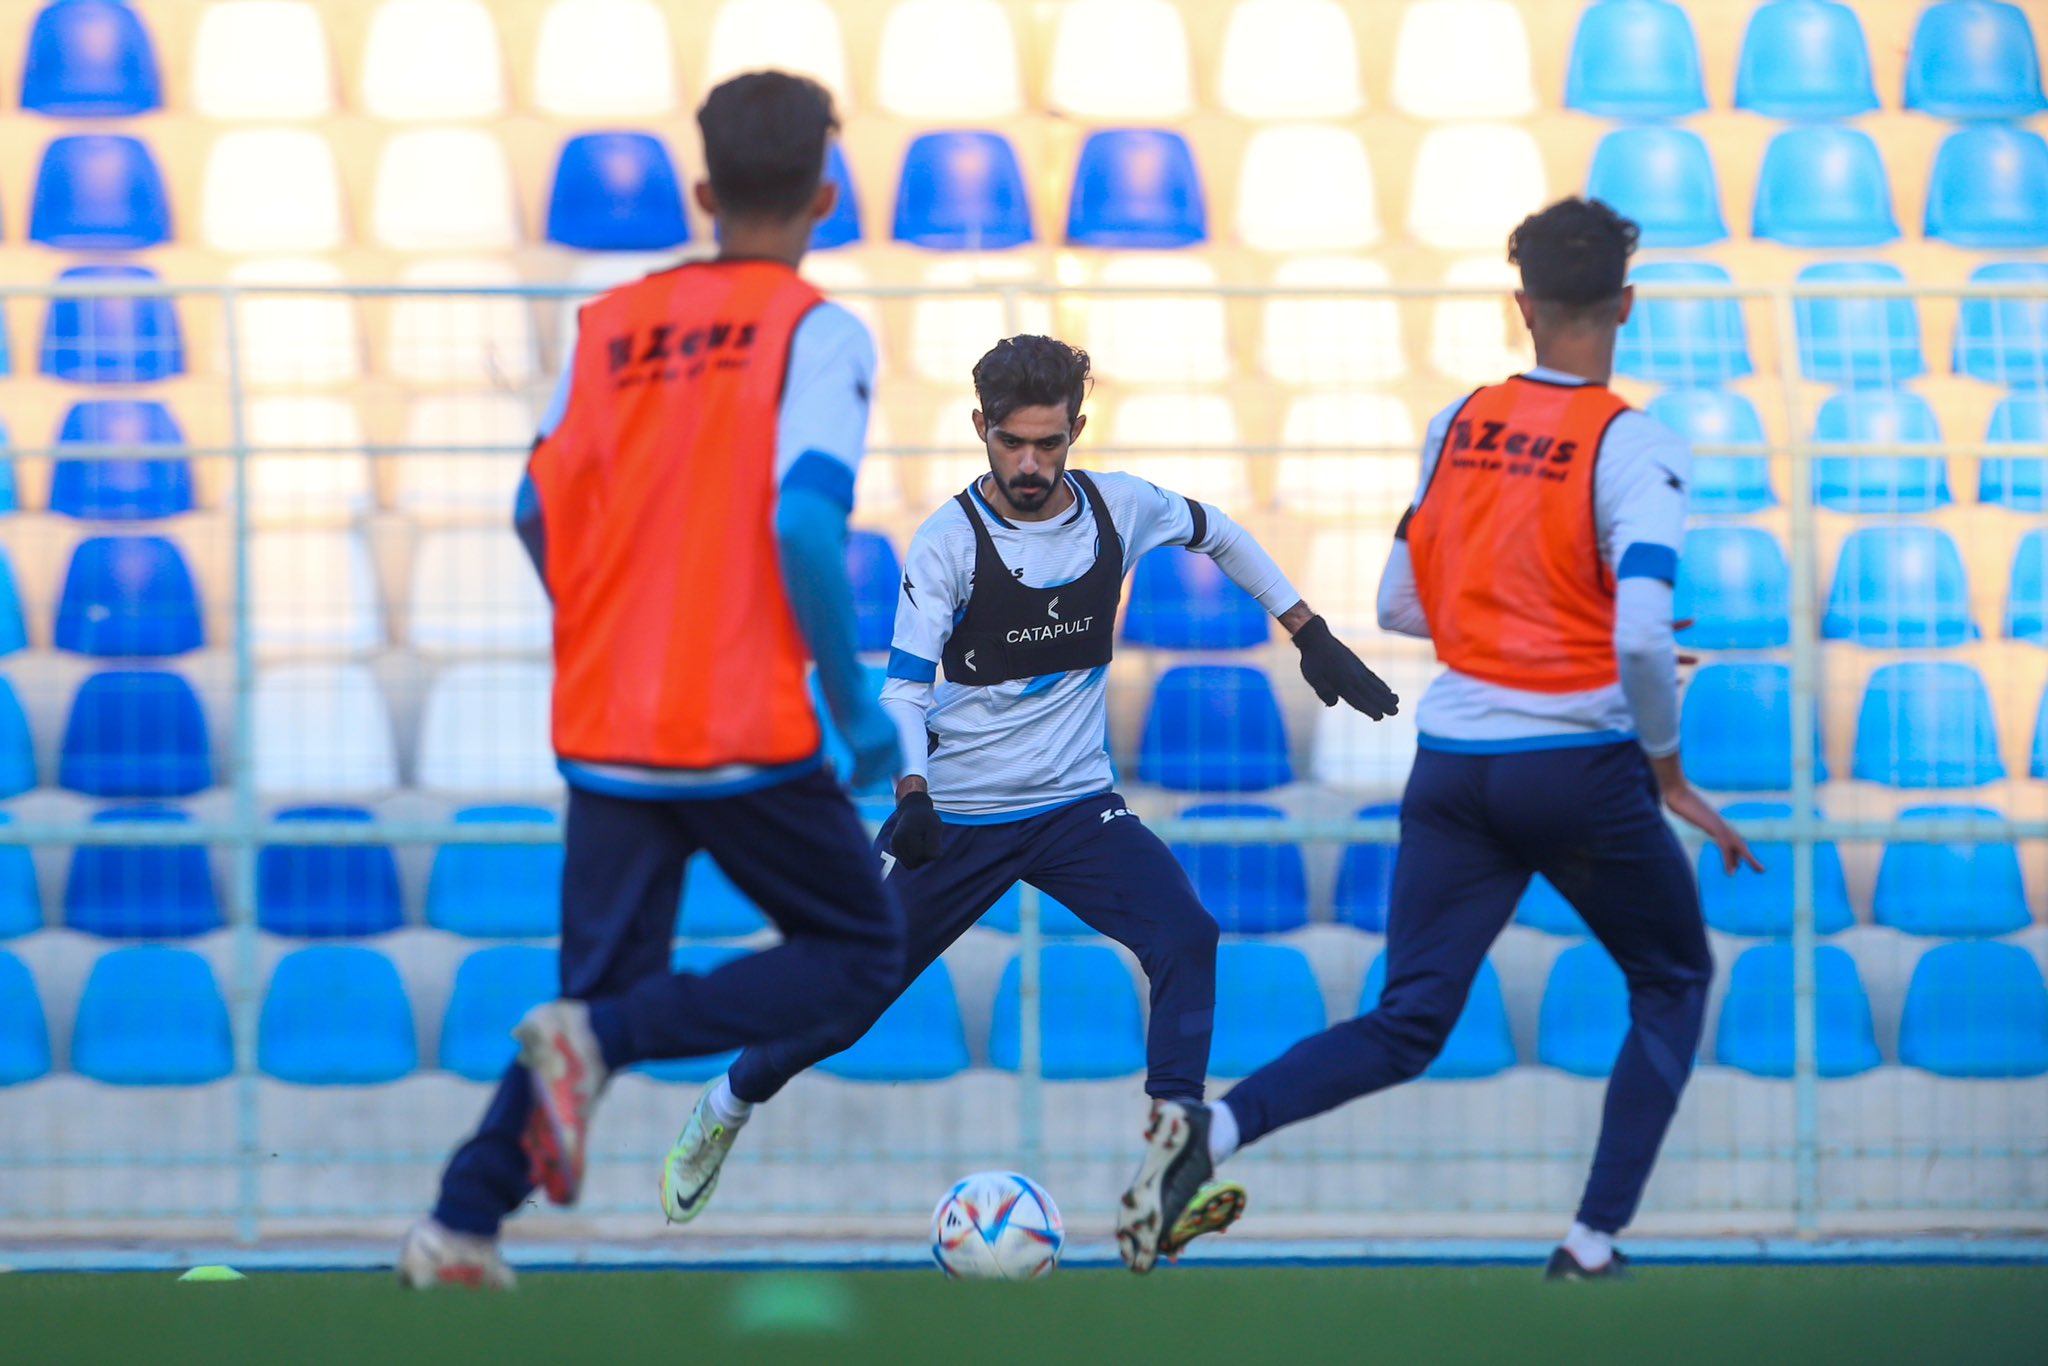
{"type": "Point", "coordinates": [1565, 1267]}
{"type": "Point", "coordinates": [562, 1058]}
{"type": "Point", "coordinates": [1174, 1168]}
{"type": "Point", "coordinates": [434, 1257]}
{"type": "Point", "coordinates": [1216, 1206]}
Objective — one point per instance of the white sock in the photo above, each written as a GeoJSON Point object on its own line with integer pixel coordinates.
{"type": "Point", "coordinates": [1592, 1250]}
{"type": "Point", "coordinates": [732, 1112]}
{"type": "Point", "coordinates": [1222, 1132]}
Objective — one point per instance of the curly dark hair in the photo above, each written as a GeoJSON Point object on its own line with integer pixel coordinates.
{"type": "Point", "coordinates": [765, 135]}
{"type": "Point", "coordinates": [1027, 371]}
{"type": "Point", "coordinates": [1574, 253]}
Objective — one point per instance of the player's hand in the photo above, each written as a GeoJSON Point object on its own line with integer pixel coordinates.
{"type": "Point", "coordinates": [1337, 674]}
{"type": "Point", "coordinates": [919, 832]}
{"type": "Point", "coordinates": [1688, 805]}
{"type": "Point", "coordinates": [877, 753]}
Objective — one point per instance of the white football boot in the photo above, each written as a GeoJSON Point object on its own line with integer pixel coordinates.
{"type": "Point", "coordinates": [435, 1255]}
{"type": "Point", "coordinates": [690, 1174]}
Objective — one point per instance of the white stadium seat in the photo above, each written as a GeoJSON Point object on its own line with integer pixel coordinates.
{"type": "Point", "coordinates": [1342, 578]}
{"type": "Point", "coordinates": [1477, 340]}
{"type": "Point", "coordinates": [262, 59]}
{"type": "Point", "coordinates": [1352, 751]}
{"type": "Point", "coordinates": [788, 35]}
{"type": "Point", "coordinates": [428, 60]}
{"type": "Point", "coordinates": [1306, 187]}
{"type": "Point", "coordinates": [312, 592]}
{"type": "Point", "coordinates": [474, 592]}
{"type": "Point", "coordinates": [464, 456]}
{"type": "Point", "coordinates": [604, 59]}
{"type": "Point", "coordinates": [307, 462]}
{"type": "Point", "coordinates": [1375, 474]}
{"type": "Point", "coordinates": [1182, 428]}
{"type": "Point", "coordinates": [1463, 59]}
{"type": "Point", "coordinates": [322, 729]}
{"type": "Point", "coordinates": [1121, 59]}
{"type": "Point", "coordinates": [462, 338]}
{"type": "Point", "coordinates": [295, 341]}
{"type": "Point", "coordinates": [444, 189]}
{"type": "Point", "coordinates": [485, 730]}
{"type": "Point", "coordinates": [1332, 340]}
{"type": "Point", "coordinates": [1290, 59]}
{"type": "Point", "coordinates": [920, 74]}
{"type": "Point", "coordinates": [1473, 183]}
{"type": "Point", "coordinates": [838, 271]}
{"type": "Point", "coordinates": [1165, 339]}
{"type": "Point", "coordinates": [271, 190]}
{"type": "Point", "coordinates": [961, 313]}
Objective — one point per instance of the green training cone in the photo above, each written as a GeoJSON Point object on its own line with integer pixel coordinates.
{"type": "Point", "coordinates": [213, 1273]}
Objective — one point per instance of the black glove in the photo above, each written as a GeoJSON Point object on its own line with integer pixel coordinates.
{"type": "Point", "coordinates": [916, 839]}
{"type": "Point", "coordinates": [1334, 672]}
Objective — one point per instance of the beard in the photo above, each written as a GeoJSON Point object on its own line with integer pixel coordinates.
{"type": "Point", "coordinates": [1028, 494]}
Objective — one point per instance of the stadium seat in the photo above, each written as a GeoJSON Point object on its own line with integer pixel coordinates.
{"type": "Point", "coordinates": [322, 890]}
{"type": "Point", "coordinates": [1989, 189]}
{"type": "Point", "coordinates": [1755, 1029]}
{"type": "Point", "coordinates": [1088, 1016]}
{"type": "Point", "coordinates": [1735, 727]}
{"type": "Point", "coordinates": [1851, 340]}
{"type": "Point", "coordinates": [336, 1016]}
{"type": "Point", "coordinates": [152, 1016]}
{"type": "Point", "coordinates": [1542, 907]}
{"type": "Point", "coordinates": [90, 59]}
{"type": "Point", "coordinates": [1477, 340]}
{"type": "Point", "coordinates": [1759, 905]}
{"type": "Point", "coordinates": [2037, 759]}
{"type": "Point", "coordinates": [466, 453]}
{"type": "Point", "coordinates": [1729, 484]}
{"type": "Point", "coordinates": [919, 74]}
{"type": "Point", "coordinates": [1479, 1044]}
{"type": "Point", "coordinates": [494, 988]}
{"type": "Point", "coordinates": [1092, 74]}
{"type": "Point", "coordinates": [962, 191]}
{"type": "Point", "coordinates": [800, 36]}
{"type": "Point", "coordinates": [1805, 59]}
{"type": "Point", "coordinates": [1214, 728]}
{"type": "Point", "coordinates": [307, 462]}
{"type": "Point", "coordinates": [118, 488]}
{"type": "Point", "coordinates": [1185, 441]}
{"type": "Point", "coordinates": [962, 305]}
{"type": "Point", "coordinates": [1699, 342]}
{"type": "Point", "coordinates": [1927, 725]}
{"type": "Point", "coordinates": [261, 59]}
{"type": "Point", "coordinates": [1365, 877]}
{"type": "Point", "coordinates": [1249, 888]}
{"type": "Point", "coordinates": [17, 748]}
{"type": "Point", "coordinates": [322, 728]}
{"type": "Point", "coordinates": [712, 907]}
{"type": "Point", "coordinates": [1735, 586]}
{"type": "Point", "coordinates": [919, 1037]}
{"type": "Point", "coordinates": [129, 596]}
{"type": "Point", "coordinates": [444, 189]}
{"type": "Point", "coordinates": [1365, 461]}
{"type": "Point", "coordinates": [295, 341]}
{"type": "Point", "coordinates": [99, 192]}
{"type": "Point", "coordinates": [485, 730]}
{"type": "Point", "coordinates": [141, 891]}
{"type": "Point", "coordinates": [1267, 1001]}
{"type": "Point", "coordinates": [1137, 188]}
{"type": "Point", "coordinates": [1165, 339]}
{"type": "Point", "coordinates": [1635, 59]}
{"type": "Point", "coordinates": [21, 903]}
{"type": "Point", "coordinates": [1289, 59]}
{"type": "Point", "coordinates": [1463, 59]}
{"type": "Point", "coordinates": [1352, 751]}
{"type": "Point", "coordinates": [1307, 340]}
{"type": "Point", "coordinates": [841, 227]}
{"type": "Point", "coordinates": [699, 959]}
{"type": "Point", "coordinates": [2016, 482]}
{"type": "Point", "coordinates": [2005, 341]}
{"type": "Point", "coordinates": [474, 591]}
{"type": "Point", "coordinates": [112, 340]}
{"type": "Point", "coordinates": [13, 627]}
{"type": "Point", "coordinates": [1584, 1016]}
{"type": "Point", "coordinates": [432, 60]}
{"type": "Point", "coordinates": [1663, 178]}
{"type": "Point", "coordinates": [10, 496]}
{"type": "Point", "coordinates": [1955, 889]}
{"type": "Point", "coordinates": [875, 573]}
{"type": "Point", "coordinates": [313, 590]}
{"type": "Point", "coordinates": [1055, 920]}
{"type": "Point", "coordinates": [1899, 588]}
{"type": "Point", "coordinates": [1306, 187]}
{"type": "Point", "coordinates": [616, 192]}
{"type": "Point", "coordinates": [1974, 60]}
{"type": "Point", "coordinates": [1181, 601]}
{"type": "Point", "coordinates": [1473, 183]}
{"type": "Point", "coordinates": [1879, 483]}
{"type": "Point", "coordinates": [1976, 1009]}
{"type": "Point", "coordinates": [1824, 186]}
{"type": "Point", "coordinates": [2026, 599]}
{"type": "Point", "coordinates": [135, 734]}
{"type": "Point", "coordinates": [24, 1035]}
{"type": "Point", "coordinates": [604, 59]}
{"type": "Point", "coordinates": [497, 891]}
{"type": "Point", "coordinates": [462, 338]}
{"type": "Point", "coordinates": [272, 190]}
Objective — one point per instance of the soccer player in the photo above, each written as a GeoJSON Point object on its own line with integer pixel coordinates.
{"type": "Point", "coordinates": [686, 506]}
{"type": "Point", "coordinates": [1539, 556]}
{"type": "Point", "coordinates": [1011, 590]}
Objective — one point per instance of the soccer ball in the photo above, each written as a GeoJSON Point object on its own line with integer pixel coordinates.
{"type": "Point", "coordinates": [997, 1226]}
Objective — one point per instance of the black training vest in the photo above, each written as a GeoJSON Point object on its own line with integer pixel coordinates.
{"type": "Point", "coordinates": [1010, 631]}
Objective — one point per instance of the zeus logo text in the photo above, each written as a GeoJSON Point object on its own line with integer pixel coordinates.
{"type": "Point", "coordinates": [666, 342]}
{"type": "Point", "coordinates": [1498, 437]}
{"type": "Point", "coordinates": [1041, 635]}
{"type": "Point", "coordinates": [1113, 813]}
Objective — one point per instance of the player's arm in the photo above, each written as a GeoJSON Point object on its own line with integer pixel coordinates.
{"type": "Point", "coordinates": [927, 604]}
{"type": "Point", "coordinates": [529, 520]}
{"type": "Point", "coordinates": [1400, 601]}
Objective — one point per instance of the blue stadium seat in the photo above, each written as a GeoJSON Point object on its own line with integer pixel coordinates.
{"type": "Point", "coordinates": [1267, 1001]}
{"type": "Point", "coordinates": [1880, 483]}
{"type": "Point", "coordinates": [1849, 340]}
{"type": "Point", "coordinates": [1137, 188]}
{"type": "Point", "coordinates": [1976, 1009]}
{"type": "Point", "coordinates": [1759, 905]}
{"type": "Point", "coordinates": [1755, 1030]}
{"type": "Point", "coordinates": [1824, 186]}
{"type": "Point", "coordinates": [2037, 760]}
{"type": "Point", "coordinates": [1365, 878]}
{"type": "Point", "coordinates": [1805, 59]}
{"type": "Point", "coordinates": [1090, 1023]}
{"type": "Point", "coordinates": [120, 488]}
{"type": "Point", "coordinates": [315, 890]}
{"type": "Point", "coordinates": [2016, 482]}
{"type": "Point", "coordinates": [135, 734]}
{"type": "Point", "coordinates": [2026, 600]}
{"type": "Point", "coordinates": [1989, 188]}
{"type": "Point", "coordinates": [616, 192]}
{"type": "Point", "coordinates": [1214, 728]}
{"type": "Point", "coordinates": [2005, 341]}
{"type": "Point", "coordinates": [24, 1035]}
{"type": "Point", "coordinates": [1728, 484]}
{"type": "Point", "coordinates": [837, 754]}
{"type": "Point", "coordinates": [1974, 60]}
{"type": "Point", "coordinates": [21, 904]}
{"type": "Point", "coordinates": [1249, 888]}
{"type": "Point", "coordinates": [90, 59]}
{"type": "Point", "coordinates": [1635, 59]}
{"type": "Point", "coordinates": [109, 340]}
{"type": "Point", "coordinates": [17, 748]}
{"type": "Point", "coordinates": [1480, 1044]}
{"type": "Point", "coordinates": [497, 891]}
{"type": "Point", "coordinates": [1182, 601]}
{"type": "Point", "coordinates": [100, 192]}
{"type": "Point", "coordinates": [494, 988]}
{"type": "Point", "coordinates": [141, 891]}
{"type": "Point", "coordinates": [875, 571]}
{"type": "Point", "coordinates": [700, 959]}
{"type": "Point", "coordinates": [841, 227]}
{"type": "Point", "coordinates": [918, 1038]}
{"type": "Point", "coordinates": [1735, 586]}
{"type": "Point", "coordinates": [336, 1016]}
{"type": "Point", "coordinates": [13, 626]}
{"type": "Point", "coordinates": [962, 191]}
{"type": "Point", "coordinates": [712, 908]}
{"type": "Point", "coordinates": [1900, 587]}
{"type": "Point", "coordinates": [1663, 178]}
{"type": "Point", "coordinates": [1927, 725]}
{"type": "Point", "coordinates": [1054, 919]}
{"type": "Point", "coordinates": [10, 496]}
{"type": "Point", "coordinates": [1735, 727]}
{"type": "Point", "coordinates": [1584, 1016]}
{"type": "Point", "coordinates": [129, 596]}
{"type": "Point", "coordinates": [1700, 342]}
{"type": "Point", "coordinates": [1544, 908]}
{"type": "Point", "coordinates": [152, 1016]}
{"type": "Point", "coordinates": [1951, 889]}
